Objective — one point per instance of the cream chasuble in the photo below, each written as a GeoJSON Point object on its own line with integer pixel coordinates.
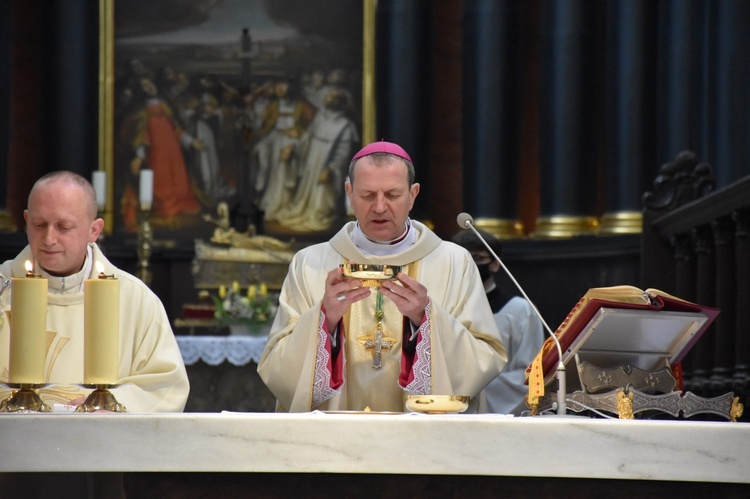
{"type": "Point", "coordinates": [152, 373]}
{"type": "Point", "coordinates": [458, 350]}
{"type": "Point", "coordinates": [368, 386]}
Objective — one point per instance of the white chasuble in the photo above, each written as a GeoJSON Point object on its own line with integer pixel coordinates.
{"type": "Point", "coordinates": [458, 349]}
{"type": "Point", "coordinates": [152, 373]}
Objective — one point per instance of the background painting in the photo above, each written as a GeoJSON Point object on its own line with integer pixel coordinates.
{"type": "Point", "coordinates": [251, 103]}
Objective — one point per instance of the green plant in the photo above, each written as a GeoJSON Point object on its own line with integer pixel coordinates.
{"type": "Point", "coordinates": [256, 308]}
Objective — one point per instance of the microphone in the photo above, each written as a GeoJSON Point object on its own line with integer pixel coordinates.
{"type": "Point", "coordinates": [466, 221]}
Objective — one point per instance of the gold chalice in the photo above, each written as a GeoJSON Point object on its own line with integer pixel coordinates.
{"type": "Point", "coordinates": [370, 273]}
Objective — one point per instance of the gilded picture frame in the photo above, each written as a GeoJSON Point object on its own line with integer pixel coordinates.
{"type": "Point", "coordinates": [210, 88]}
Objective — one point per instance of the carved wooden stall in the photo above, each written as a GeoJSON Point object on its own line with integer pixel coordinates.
{"type": "Point", "coordinates": [696, 245]}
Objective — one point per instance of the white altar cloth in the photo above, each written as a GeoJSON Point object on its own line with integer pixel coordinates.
{"type": "Point", "coordinates": [542, 446]}
{"type": "Point", "coordinates": [213, 350]}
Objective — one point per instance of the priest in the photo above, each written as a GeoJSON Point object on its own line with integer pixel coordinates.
{"type": "Point", "coordinates": [62, 228]}
{"type": "Point", "coordinates": [341, 343]}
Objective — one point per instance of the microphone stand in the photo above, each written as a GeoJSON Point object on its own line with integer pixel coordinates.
{"type": "Point", "coordinates": [465, 221]}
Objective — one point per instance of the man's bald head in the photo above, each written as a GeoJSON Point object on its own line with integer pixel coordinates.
{"type": "Point", "coordinates": [88, 194]}
{"type": "Point", "coordinates": [61, 221]}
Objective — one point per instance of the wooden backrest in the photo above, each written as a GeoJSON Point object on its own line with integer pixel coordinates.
{"type": "Point", "coordinates": [696, 245]}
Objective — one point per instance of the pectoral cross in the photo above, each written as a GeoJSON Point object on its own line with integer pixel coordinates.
{"type": "Point", "coordinates": [378, 343]}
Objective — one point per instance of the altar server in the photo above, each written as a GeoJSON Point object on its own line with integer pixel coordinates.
{"type": "Point", "coordinates": [62, 227]}
{"type": "Point", "coordinates": [520, 329]}
{"type": "Point", "coordinates": [342, 343]}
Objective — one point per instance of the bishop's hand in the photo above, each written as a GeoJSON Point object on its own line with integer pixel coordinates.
{"type": "Point", "coordinates": [410, 297]}
{"type": "Point", "coordinates": [340, 293]}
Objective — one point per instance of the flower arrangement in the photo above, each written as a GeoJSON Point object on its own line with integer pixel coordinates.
{"type": "Point", "coordinates": [255, 309]}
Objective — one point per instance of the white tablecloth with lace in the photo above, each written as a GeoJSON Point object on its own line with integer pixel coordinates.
{"type": "Point", "coordinates": [213, 350]}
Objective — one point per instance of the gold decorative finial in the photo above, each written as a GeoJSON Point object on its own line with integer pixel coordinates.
{"type": "Point", "coordinates": [625, 405]}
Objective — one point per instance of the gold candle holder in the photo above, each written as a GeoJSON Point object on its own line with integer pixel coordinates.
{"type": "Point", "coordinates": [24, 398]}
{"type": "Point", "coordinates": [101, 399]}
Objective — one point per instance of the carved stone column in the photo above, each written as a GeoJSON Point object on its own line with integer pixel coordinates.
{"type": "Point", "coordinates": [681, 90]}
{"type": "Point", "coordinates": [570, 120]}
{"type": "Point", "coordinates": [491, 116]}
{"type": "Point", "coordinates": [631, 134]}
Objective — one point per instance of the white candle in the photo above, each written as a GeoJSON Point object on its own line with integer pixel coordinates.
{"type": "Point", "coordinates": [101, 330]}
{"type": "Point", "coordinates": [99, 180]}
{"type": "Point", "coordinates": [146, 189]}
{"type": "Point", "coordinates": [28, 329]}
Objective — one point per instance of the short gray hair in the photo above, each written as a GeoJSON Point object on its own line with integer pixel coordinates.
{"type": "Point", "coordinates": [380, 158]}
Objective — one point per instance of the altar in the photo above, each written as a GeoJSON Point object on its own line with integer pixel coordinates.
{"type": "Point", "coordinates": [401, 455]}
{"type": "Point", "coordinates": [223, 373]}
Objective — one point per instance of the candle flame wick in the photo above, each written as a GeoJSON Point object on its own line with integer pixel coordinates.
{"type": "Point", "coordinates": [30, 270]}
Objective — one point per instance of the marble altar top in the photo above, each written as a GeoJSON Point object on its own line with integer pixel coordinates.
{"type": "Point", "coordinates": [446, 444]}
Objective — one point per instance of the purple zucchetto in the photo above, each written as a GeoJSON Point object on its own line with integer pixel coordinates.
{"type": "Point", "coordinates": [382, 146]}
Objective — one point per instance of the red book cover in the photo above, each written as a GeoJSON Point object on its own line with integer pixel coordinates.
{"type": "Point", "coordinates": [651, 301]}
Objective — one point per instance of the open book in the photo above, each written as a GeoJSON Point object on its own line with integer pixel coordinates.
{"type": "Point", "coordinates": [622, 324]}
